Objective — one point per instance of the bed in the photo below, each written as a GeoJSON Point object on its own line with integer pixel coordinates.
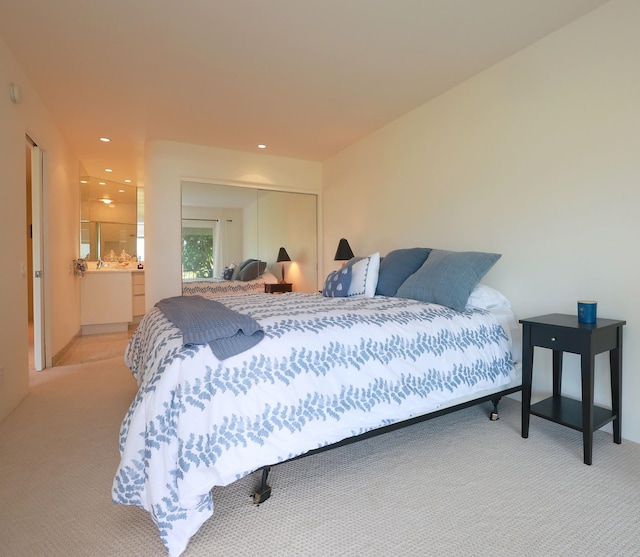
{"type": "Point", "coordinates": [330, 368]}
{"type": "Point", "coordinates": [215, 287]}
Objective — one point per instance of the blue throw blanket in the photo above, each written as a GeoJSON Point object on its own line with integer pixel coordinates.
{"type": "Point", "coordinates": [203, 321]}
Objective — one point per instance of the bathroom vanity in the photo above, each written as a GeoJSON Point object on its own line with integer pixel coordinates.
{"type": "Point", "coordinates": [110, 300]}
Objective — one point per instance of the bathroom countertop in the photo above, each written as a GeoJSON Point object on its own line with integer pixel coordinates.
{"type": "Point", "coordinates": [112, 269]}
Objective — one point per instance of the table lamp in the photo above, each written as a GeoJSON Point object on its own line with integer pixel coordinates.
{"type": "Point", "coordinates": [282, 257]}
{"type": "Point", "coordinates": [343, 253]}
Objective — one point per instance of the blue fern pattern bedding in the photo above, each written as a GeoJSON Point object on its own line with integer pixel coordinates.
{"type": "Point", "coordinates": [212, 288]}
{"type": "Point", "coordinates": [327, 369]}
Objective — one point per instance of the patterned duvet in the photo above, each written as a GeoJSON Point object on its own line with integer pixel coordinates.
{"type": "Point", "coordinates": [327, 369]}
{"type": "Point", "coordinates": [212, 288]}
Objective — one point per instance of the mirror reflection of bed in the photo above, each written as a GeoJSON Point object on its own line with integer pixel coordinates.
{"type": "Point", "coordinates": [225, 227]}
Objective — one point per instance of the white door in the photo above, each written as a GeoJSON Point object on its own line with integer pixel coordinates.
{"type": "Point", "coordinates": [36, 234]}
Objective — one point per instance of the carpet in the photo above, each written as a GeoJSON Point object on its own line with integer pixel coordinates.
{"type": "Point", "coordinates": [455, 485]}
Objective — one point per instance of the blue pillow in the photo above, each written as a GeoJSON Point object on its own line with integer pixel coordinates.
{"type": "Point", "coordinates": [237, 269]}
{"type": "Point", "coordinates": [448, 277]}
{"type": "Point", "coordinates": [397, 267]}
{"type": "Point", "coordinates": [338, 282]}
{"type": "Point", "coordinates": [252, 270]}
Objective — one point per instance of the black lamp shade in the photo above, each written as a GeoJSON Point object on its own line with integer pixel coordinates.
{"type": "Point", "coordinates": [283, 256]}
{"type": "Point", "coordinates": [343, 253]}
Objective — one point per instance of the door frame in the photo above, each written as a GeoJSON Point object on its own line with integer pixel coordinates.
{"type": "Point", "coordinates": [37, 259]}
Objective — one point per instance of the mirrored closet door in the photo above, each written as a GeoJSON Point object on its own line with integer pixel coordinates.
{"type": "Point", "coordinates": [223, 225]}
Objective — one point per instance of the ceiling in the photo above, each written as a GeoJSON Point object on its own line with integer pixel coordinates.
{"type": "Point", "coordinates": [305, 77]}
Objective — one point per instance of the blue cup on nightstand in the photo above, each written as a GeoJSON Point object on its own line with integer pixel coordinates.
{"type": "Point", "coordinates": [587, 311]}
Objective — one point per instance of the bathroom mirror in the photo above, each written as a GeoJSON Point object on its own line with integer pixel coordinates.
{"type": "Point", "coordinates": [251, 222]}
{"type": "Point", "coordinates": [110, 219]}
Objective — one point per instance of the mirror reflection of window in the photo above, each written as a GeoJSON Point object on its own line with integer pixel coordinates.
{"type": "Point", "coordinates": [197, 249]}
{"type": "Point", "coordinates": [231, 212]}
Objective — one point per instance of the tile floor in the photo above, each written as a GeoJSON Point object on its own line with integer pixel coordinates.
{"type": "Point", "coordinates": [91, 348]}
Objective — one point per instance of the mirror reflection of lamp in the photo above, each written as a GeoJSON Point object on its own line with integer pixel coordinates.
{"type": "Point", "coordinates": [343, 253]}
{"type": "Point", "coordinates": [282, 257]}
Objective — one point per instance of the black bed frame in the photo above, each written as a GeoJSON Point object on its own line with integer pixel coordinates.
{"type": "Point", "coordinates": [263, 492]}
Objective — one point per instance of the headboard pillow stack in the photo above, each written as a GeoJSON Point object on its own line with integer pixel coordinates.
{"type": "Point", "coordinates": [430, 275]}
{"type": "Point", "coordinates": [448, 277]}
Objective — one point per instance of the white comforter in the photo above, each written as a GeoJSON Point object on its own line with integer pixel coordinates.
{"type": "Point", "coordinates": [213, 288]}
{"type": "Point", "coordinates": [327, 369]}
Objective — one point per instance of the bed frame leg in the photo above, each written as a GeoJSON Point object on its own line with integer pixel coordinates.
{"type": "Point", "coordinates": [264, 492]}
{"type": "Point", "coordinates": [494, 415]}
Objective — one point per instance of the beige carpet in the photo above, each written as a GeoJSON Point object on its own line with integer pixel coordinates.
{"type": "Point", "coordinates": [456, 485]}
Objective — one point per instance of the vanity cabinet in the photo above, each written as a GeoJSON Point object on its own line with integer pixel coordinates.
{"type": "Point", "coordinates": [137, 283]}
{"type": "Point", "coordinates": [106, 301]}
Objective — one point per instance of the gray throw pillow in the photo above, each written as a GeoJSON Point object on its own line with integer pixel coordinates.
{"type": "Point", "coordinates": [243, 264]}
{"type": "Point", "coordinates": [448, 277]}
{"type": "Point", "coordinates": [252, 270]}
{"type": "Point", "coordinates": [397, 266]}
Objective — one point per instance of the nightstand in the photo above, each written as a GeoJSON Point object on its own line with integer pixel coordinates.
{"type": "Point", "coordinates": [278, 288]}
{"type": "Point", "coordinates": [563, 333]}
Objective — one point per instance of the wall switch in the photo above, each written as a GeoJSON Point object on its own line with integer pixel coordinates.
{"type": "Point", "coordinates": [23, 270]}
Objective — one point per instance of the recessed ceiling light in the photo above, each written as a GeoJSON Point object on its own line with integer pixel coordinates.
{"type": "Point", "coordinates": [106, 201]}
{"type": "Point", "coordinates": [127, 181]}
{"type": "Point", "coordinates": [262, 146]}
{"type": "Point", "coordinates": [84, 181]}
{"type": "Point", "coordinates": [102, 183]}
{"type": "Point", "coordinates": [121, 191]}
{"type": "Point", "coordinates": [108, 170]}
{"type": "Point", "coordinates": [105, 139]}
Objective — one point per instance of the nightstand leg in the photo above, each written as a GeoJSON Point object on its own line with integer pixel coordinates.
{"type": "Point", "coordinates": [557, 372]}
{"type": "Point", "coordinates": [588, 363]}
{"type": "Point", "coordinates": [527, 374]}
{"type": "Point", "coordinates": [615, 363]}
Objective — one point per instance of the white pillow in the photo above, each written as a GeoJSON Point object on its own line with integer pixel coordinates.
{"type": "Point", "coordinates": [269, 278]}
{"type": "Point", "coordinates": [485, 297]}
{"type": "Point", "coordinates": [364, 277]}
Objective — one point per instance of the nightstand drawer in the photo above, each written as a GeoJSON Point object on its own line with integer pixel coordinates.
{"type": "Point", "coordinates": [556, 339]}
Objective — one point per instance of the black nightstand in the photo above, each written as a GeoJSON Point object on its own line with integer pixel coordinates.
{"type": "Point", "coordinates": [563, 333]}
{"type": "Point", "coordinates": [278, 288]}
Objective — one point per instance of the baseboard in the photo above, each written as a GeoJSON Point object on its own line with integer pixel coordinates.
{"type": "Point", "coordinates": [103, 328]}
{"type": "Point", "coordinates": [63, 352]}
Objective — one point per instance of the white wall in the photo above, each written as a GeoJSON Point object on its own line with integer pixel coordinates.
{"type": "Point", "coordinates": [537, 158]}
{"type": "Point", "coordinates": [168, 163]}
{"type": "Point", "coordinates": [61, 231]}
